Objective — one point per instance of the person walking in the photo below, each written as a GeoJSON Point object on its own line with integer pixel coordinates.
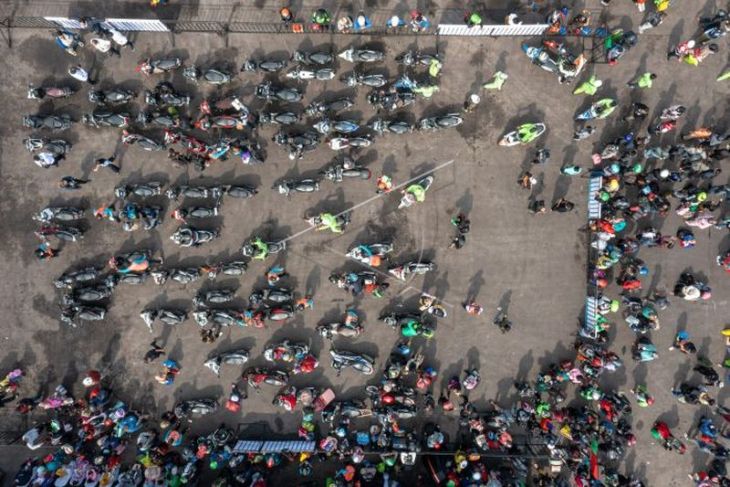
{"type": "Point", "coordinates": [589, 87]}
{"type": "Point", "coordinates": [107, 162]}
{"type": "Point", "coordinates": [472, 308]}
{"type": "Point", "coordinates": [45, 251]}
{"type": "Point", "coordinates": [562, 206]}
{"type": "Point", "coordinates": [71, 183]}
{"type": "Point", "coordinates": [105, 46]}
{"type": "Point", "coordinates": [153, 353]}
{"type": "Point", "coordinates": [645, 81]}
{"type": "Point", "coordinates": [496, 82]}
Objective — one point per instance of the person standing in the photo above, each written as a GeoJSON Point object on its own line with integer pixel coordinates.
{"type": "Point", "coordinates": [645, 81]}
{"type": "Point", "coordinates": [79, 73]}
{"type": "Point", "coordinates": [105, 46]}
{"type": "Point", "coordinates": [496, 82]}
{"type": "Point", "coordinates": [71, 183]}
{"type": "Point", "coordinates": [107, 162]}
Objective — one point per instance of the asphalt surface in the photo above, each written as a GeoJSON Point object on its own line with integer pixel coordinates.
{"type": "Point", "coordinates": [534, 266]}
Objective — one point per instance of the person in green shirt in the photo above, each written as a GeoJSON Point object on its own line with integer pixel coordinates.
{"type": "Point", "coordinates": [426, 91]}
{"type": "Point", "coordinates": [417, 191]}
{"type": "Point", "coordinates": [473, 19]}
{"type": "Point", "coordinates": [496, 82]}
{"type": "Point", "coordinates": [724, 76]}
{"type": "Point", "coordinates": [589, 87]}
{"type": "Point", "coordinates": [329, 221]}
{"type": "Point", "coordinates": [644, 81]}
{"type": "Point", "coordinates": [262, 249]}
{"type": "Point", "coordinates": [434, 68]}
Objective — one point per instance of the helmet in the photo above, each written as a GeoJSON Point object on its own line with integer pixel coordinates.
{"type": "Point", "coordinates": [598, 83]}
{"type": "Point", "coordinates": [664, 173]}
{"type": "Point", "coordinates": [701, 196]}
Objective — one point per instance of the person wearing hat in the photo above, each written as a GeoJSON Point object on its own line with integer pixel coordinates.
{"type": "Point", "coordinates": [589, 87]}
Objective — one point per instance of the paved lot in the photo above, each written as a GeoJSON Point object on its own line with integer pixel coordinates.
{"type": "Point", "coordinates": [533, 265]}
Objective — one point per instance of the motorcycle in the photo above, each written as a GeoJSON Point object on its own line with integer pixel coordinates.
{"type": "Point", "coordinates": [618, 43]}
{"type": "Point", "coordinates": [195, 192]}
{"type": "Point", "coordinates": [258, 375]}
{"type": "Point", "coordinates": [68, 234]}
{"type": "Point", "coordinates": [69, 279]}
{"type": "Point", "coordinates": [441, 122]}
{"type": "Point", "coordinates": [89, 294]}
{"type": "Point", "coordinates": [181, 214]}
{"type": "Point", "coordinates": [287, 187]}
{"type": "Point", "coordinates": [195, 407]}
{"type": "Point", "coordinates": [266, 91]}
{"type": "Point", "coordinates": [325, 126]}
{"type": "Point", "coordinates": [282, 118]}
{"type": "Point", "coordinates": [224, 105]}
{"type": "Point", "coordinates": [224, 122]}
{"type": "Point", "coordinates": [234, 357]}
{"type": "Point", "coordinates": [312, 58]}
{"type": "Point", "coordinates": [414, 58]}
{"type": "Point", "coordinates": [84, 313]}
{"type": "Point", "coordinates": [106, 119]}
{"type": "Point", "coordinates": [220, 317]}
{"type": "Point", "coordinates": [542, 58]}
{"type": "Point", "coordinates": [401, 272]}
{"type": "Point", "coordinates": [371, 254]}
{"type": "Point", "coordinates": [58, 213]}
{"type": "Point", "coordinates": [361, 55]}
{"type": "Point", "coordinates": [600, 109]}
{"type": "Point", "coordinates": [248, 249]}
{"type": "Point", "coordinates": [180, 275]}
{"type": "Point", "coordinates": [391, 101]}
{"type": "Point", "coordinates": [235, 268]}
{"type": "Point", "coordinates": [409, 198]}
{"type": "Point", "coordinates": [298, 144]}
{"type": "Point", "coordinates": [52, 92]}
{"type": "Point", "coordinates": [360, 362]}
{"type": "Point", "coordinates": [272, 295]}
{"type": "Point", "coordinates": [673, 112]}
{"type": "Point", "coordinates": [524, 134]}
{"type": "Point", "coordinates": [111, 97]}
{"type": "Point", "coordinates": [143, 190]}
{"type": "Point", "coordinates": [55, 123]}
{"type": "Point", "coordinates": [374, 80]}
{"type": "Point", "coordinates": [286, 351]}
{"type": "Point", "coordinates": [347, 169]}
{"type": "Point", "coordinates": [158, 66]}
{"type": "Point", "coordinates": [282, 313]}
{"type": "Point", "coordinates": [411, 323]}
{"type": "Point", "coordinates": [329, 330]}
{"type": "Point", "coordinates": [340, 143]}
{"type": "Point", "coordinates": [169, 317]}
{"type": "Point", "coordinates": [267, 66]}
{"type": "Point", "coordinates": [358, 282]}
{"type": "Point", "coordinates": [165, 95]}
{"type": "Point", "coordinates": [214, 296]}
{"type": "Point", "coordinates": [159, 119]}
{"type": "Point", "coordinates": [303, 74]}
{"type": "Point", "coordinates": [193, 237]}
{"type": "Point", "coordinates": [381, 126]}
{"type": "Point", "coordinates": [320, 107]}
{"type": "Point", "coordinates": [240, 192]}
{"type": "Point", "coordinates": [342, 220]}
{"type": "Point", "coordinates": [144, 142]}
{"type": "Point", "coordinates": [211, 76]}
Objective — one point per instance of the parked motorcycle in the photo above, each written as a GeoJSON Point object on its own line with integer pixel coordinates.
{"type": "Point", "coordinates": [55, 123]}
{"type": "Point", "coordinates": [409, 198]}
{"type": "Point", "coordinates": [542, 58]}
{"type": "Point", "coordinates": [233, 357]}
{"type": "Point", "coordinates": [257, 376]}
{"type": "Point", "coordinates": [195, 192]}
{"type": "Point", "coordinates": [313, 58]}
{"type": "Point", "coordinates": [268, 66]}
{"type": "Point", "coordinates": [235, 268]}
{"type": "Point", "coordinates": [106, 119]}
{"type": "Point", "coordinates": [240, 191]}
{"type": "Point", "coordinates": [195, 407]}
{"type": "Point", "coordinates": [219, 317]}
{"type": "Point", "coordinates": [84, 313]}
{"type": "Point", "coordinates": [348, 169]}
{"type": "Point", "coordinates": [165, 95]}
{"type": "Point", "coordinates": [286, 351]}
{"type": "Point", "coordinates": [391, 101]}
{"type": "Point", "coordinates": [159, 119]}
{"type": "Point", "coordinates": [68, 234]}
{"type": "Point", "coordinates": [249, 250]}
{"type": "Point", "coordinates": [401, 272]}
{"type": "Point", "coordinates": [271, 295]}
{"type": "Point", "coordinates": [88, 294]}
{"type": "Point", "coordinates": [211, 76]}
{"type": "Point", "coordinates": [341, 143]}
{"type": "Point", "coordinates": [371, 254]}
{"type": "Point", "coordinates": [179, 275]}
{"type": "Point", "coordinates": [144, 142]}
{"type": "Point", "coordinates": [297, 143]}
{"type": "Point", "coordinates": [214, 296]}
{"type": "Point", "coordinates": [267, 91]}
{"type": "Point", "coordinates": [111, 97]}
{"type": "Point", "coordinates": [381, 126]}
{"type": "Point", "coordinates": [321, 107]}
{"type": "Point", "coordinates": [355, 78]}
{"type": "Point", "coordinates": [142, 190]}
{"type": "Point", "coordinates": [329, 330]}
{"type": "Point", "coordinates": [70, 279]}
{"type": "Point", "coordinates": [415, 58]}
{"type": "Point", "coordinates": [223, 122]}
{"type": "Point", "coordinates": [167, 316]}
{"type": "Point", "coordinates": [182, 214]}
{"type": "Point", "coordinates": [361, 55]}
{"type": "Point", "coordinates": [52, 92]}
{"type": "Point", "coordinates": [525, 133]}
{"type": "Point", "coordinates": [358, 282]}
{"type": "Point", "coordinates": [224, 105]}
{"type": "Point", "coordinates": [59, 213]}
{"type": "Point", "coordinates": [304, 74]}
{"type": "Point", "coordinates": [359, 362]}
{"type": "Point", "coordinates": [287, 187]}
{"type": "Point", "coordinates": [450, 120]}
{"type": "Point", "coordinates": [193, 237]}
{"type": "Point", "coordinates": [281, 118]}
{"type": "Point", "coordinates": [158, 66]}
{"type": "Point", "coordinates": [325, 126]}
